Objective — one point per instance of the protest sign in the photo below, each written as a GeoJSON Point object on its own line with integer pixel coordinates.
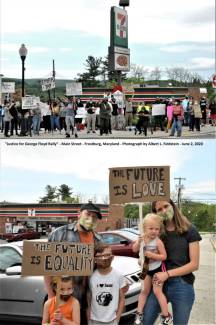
{"type": "Point", "coordinates": [74, 88]}
{"type": "Point", "coordinates": [8, 87]}
{"type": "Point", "coordinates": [119, 97]}
{"type": "Point", "coordinates": [158, 109]}
{"type": "Point", "coordinates": [30, 102]}
{"type": "Point", "coordinates": [48, 84]}
{"type": "Point", "coordinates": [139, 184]}
{"type": "Point", "coordinates": [57, 258]}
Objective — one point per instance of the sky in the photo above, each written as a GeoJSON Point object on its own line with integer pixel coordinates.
{"type": "Point", "coordinates": [26, 168]}
{"type": "Point", "coordinates": [163, 34]}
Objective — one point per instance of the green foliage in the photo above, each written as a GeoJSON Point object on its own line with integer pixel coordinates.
{"type": "Point", "coordinates": [61, 193]}
{"type": "Point", "coordinates": [132, 210]}
{"type": "Point", "coordinates": [202, 215]}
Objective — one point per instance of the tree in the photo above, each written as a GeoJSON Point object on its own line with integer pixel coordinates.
{"type": "Point", "coordinates": [64, 191]}
{"type": "Point", "coordinates": [138, 72]}
{"type": "Point", "coordinates": [93, 70]}
{"type": "Point", "coordinates": [156, 74]}
{"type": "Point", "coordinates": [50, 194]}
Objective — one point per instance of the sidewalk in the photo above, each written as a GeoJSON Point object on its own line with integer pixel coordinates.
{"type": "Point", "coordinates": [206, 131]}
{"type": "Point", "coordinates": [203, 312]}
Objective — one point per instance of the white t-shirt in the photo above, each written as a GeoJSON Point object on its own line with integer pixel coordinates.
{"type": "Point", "coordinates": [105, 295]}
{"type": "Point", "coordinates": [152, 247]}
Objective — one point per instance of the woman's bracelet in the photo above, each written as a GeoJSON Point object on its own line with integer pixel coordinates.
{"type": "Point", "coordinates": [168, 274]}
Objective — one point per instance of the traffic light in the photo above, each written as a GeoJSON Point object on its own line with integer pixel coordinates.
{"type": "Point", "coordinates": [124, 3]}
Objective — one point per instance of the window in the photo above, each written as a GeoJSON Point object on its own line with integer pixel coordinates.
{"type": "Point", "coordinates": [112, 239]}
{"type": "Point", "coordinates": [9, 257]}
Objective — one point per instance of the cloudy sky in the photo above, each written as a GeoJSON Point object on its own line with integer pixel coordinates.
{"type": "Point", "coordinates": [161, 33]}
{"type": "Point", "coordinates": [27, 169]}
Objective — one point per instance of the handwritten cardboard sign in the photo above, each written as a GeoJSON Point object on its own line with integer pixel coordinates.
{"type": "Point", "coordinates": [48, 84]}
{"type": "Point", "coordinates": [158, 109]}
{"type": "Point", "coordinates": [139, 184]}
{"type": "Point", "coordinates": [57, 258]}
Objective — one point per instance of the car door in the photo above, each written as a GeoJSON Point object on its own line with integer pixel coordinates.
{"type": "Point", "coordinates": [18, 295]}
{"type": "Point", "coordinates": [117, 247]}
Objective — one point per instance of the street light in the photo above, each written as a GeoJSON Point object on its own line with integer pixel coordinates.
{"type": "Point", "coordinates": [23, 53]}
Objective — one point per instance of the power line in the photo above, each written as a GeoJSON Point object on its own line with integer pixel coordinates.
{"type": "Point", "coordinates": [180, 187]}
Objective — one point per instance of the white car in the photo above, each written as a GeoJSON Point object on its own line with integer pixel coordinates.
{"type": "Point", "coordinates": [22, 298]}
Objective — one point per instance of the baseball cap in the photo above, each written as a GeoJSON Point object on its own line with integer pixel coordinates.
{"type": "Point", "coordinates": [92, 208]}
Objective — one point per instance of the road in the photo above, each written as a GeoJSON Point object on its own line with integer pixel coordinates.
{"type": "Point", "coordinates": [206, 132]}
{"type": "Point", "coordinates": [203, 312]}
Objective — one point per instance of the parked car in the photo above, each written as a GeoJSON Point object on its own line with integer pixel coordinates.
{"type": "Point", "coordinates": [120, 242]}
{"type": "Point", "coordinates": [23, 233]}
{"type": "Point", "coordinates": [134, 230]}
{"type": "Point", "coordinates": [22, 298]}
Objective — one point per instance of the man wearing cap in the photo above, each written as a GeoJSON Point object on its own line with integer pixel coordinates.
{"type": "Point", "coordinates": [81, 231]}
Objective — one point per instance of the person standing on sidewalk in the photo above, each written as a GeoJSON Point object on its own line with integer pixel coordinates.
{"type": "Point", "coordinates": [181, 240]}
{"type": "Point", "coordinates": [91, 116]}
{"type": "Point", "coordinates": [128, 112]}
{"type": "Point", "coordinates": [105, 111]}
{"type": "Point", "coordinates": [212, 108]}
{"type": "Point", "coordinates": [178, 115]}
{"type": "Point", "coordinates": [36, 119]}
{"type": "Point", "coordinates": [70, 113]}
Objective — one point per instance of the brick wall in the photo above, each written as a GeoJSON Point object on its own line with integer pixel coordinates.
{"type": "Point", "coordinates": [115, 219]}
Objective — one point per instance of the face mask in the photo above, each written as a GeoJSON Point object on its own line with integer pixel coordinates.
{"type": "Point", "coordinates": [104, 263]}
{"type": "Point", "coordinates": [168, 214]}
{"type": "Point", "coordinates": [65, 297]}
{"type": "Point", "coordinates": [87, 224]}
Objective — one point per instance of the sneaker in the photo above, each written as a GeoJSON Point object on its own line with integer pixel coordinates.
{"type": "Point", "coordinates": [76, 135]}
{"type": "Point", "coordinates": [166, 320]}
{"type": "Point", "coordinates": [67, 135]}
{"type": "Point", "coordinates": [138, 319]}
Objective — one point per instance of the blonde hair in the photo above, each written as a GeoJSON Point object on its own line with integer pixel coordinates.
{"type": "Point", "coordinates": [153, 217]}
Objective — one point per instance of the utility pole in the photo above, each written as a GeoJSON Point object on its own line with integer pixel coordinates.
{"type": "Point", "coordinates": [54, 74]}
{"type": "Point", "coordinates": [180, 187]}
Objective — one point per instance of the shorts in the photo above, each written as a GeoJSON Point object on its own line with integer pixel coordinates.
{"type": "Point", "coordinates": [152, 272]}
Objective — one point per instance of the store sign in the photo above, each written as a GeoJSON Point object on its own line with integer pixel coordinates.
{"type": "Point", "coordinates": [119, 27]}
{"type": "Point", "coordinates": [139, 184]}
{"type": "Point", "coordinates": [56, 259]}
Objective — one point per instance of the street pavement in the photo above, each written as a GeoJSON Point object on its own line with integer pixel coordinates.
{"type": "Point", "coordinates": [206, 132]}
{"type": "Point", "coordinates": [203, 312]}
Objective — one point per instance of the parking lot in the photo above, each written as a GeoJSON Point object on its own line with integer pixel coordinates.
{"type": "Point", "coordinates": [203, 312]}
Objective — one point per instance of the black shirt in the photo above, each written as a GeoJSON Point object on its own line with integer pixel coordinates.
{"type": "Point", "coordinates": [177, 248]}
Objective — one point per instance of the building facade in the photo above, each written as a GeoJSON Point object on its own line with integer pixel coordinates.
{"type": "Point", "coordinates": [44, 217]}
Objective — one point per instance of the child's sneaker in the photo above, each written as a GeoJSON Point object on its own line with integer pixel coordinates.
{"type": "Point", "coordinates": [166, 320]}
{"type": "Point", "coordinates": [138, 319]}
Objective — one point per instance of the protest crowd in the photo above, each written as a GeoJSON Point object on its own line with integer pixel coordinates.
{"type": "Point", "coordinates": [69, 116]}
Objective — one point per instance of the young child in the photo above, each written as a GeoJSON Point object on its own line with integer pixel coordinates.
{"type": "Point", "coordinates": [154, 250]}
{"type": "Point", "coordinates": [68, 312]}
{"type": "Point", "coordinates": [106, 295]}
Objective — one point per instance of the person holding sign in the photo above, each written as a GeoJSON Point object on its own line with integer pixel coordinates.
{"type": "Point", "coordinates": [68, 310]}
{"type": "Point", "coordinates": [155, 253]}
{"type": "Point", "coordinates": [106, 296]}
{"type": "Point", "coordinates": [81, 231]}
{"type": "Point", "coordinates": [181, 241]}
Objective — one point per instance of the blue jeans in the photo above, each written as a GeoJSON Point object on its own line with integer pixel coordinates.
{"type": "Point", "coordinates": [177, 125]}
{"type": "Point", "coordinates": [181, 296]}
{"type": "Point", "coordinates": [36, 124]}
{"type": "Point", "coordinates": [54, 122]}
